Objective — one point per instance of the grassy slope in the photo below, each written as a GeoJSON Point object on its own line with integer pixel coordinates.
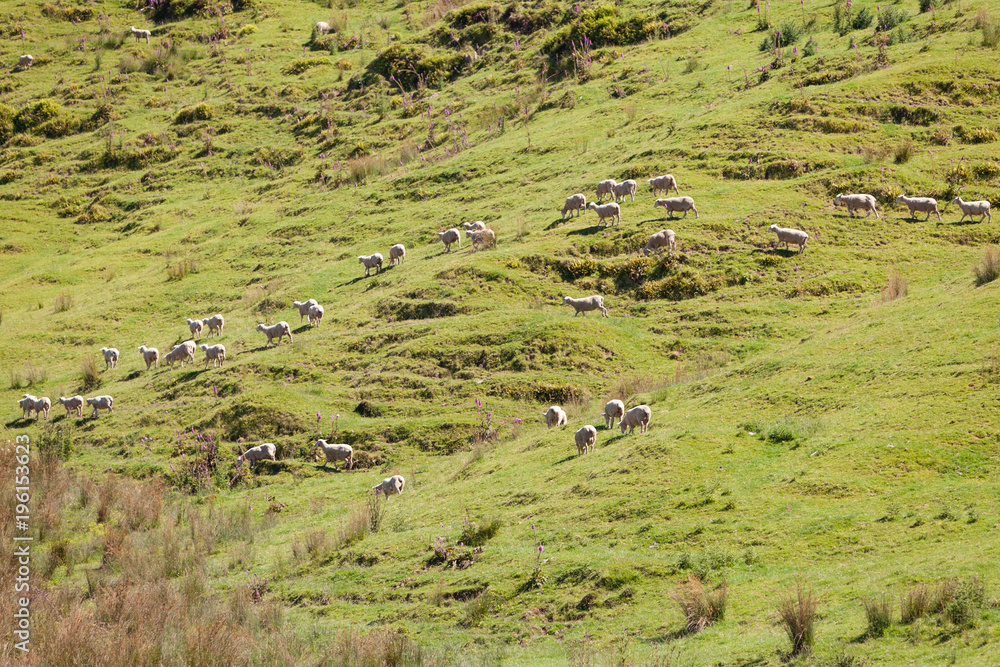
{"type": "Point", "coordinates": [893, 422]}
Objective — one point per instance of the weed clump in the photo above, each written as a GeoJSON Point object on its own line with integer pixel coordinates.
{"type": "Point", "coordinates": [989, 269]}
{"type": "Point", "coordinates": [797, 613]}
{"type": "Point", "coordinates": [895, 288]}
{"type": "Point", "coordinates": [193, 113]}
{"type": "Point", "coordinates": [90, 375]}
{"type": "Point", "coordinates": [477, 534]}
{"type": "Point", "coordinates": [878, 611]}
{"type": "Point", "coordinates": [701, 607]}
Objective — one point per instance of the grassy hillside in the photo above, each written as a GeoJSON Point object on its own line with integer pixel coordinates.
{"type": "Point", "coordinates": [821, 422]}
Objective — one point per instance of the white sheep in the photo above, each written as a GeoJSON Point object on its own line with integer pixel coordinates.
{"type": "Point", "coordinates": [664, 183]}
{"type": "Point", "coordinates": [852, 202]}
{"type": "Point", "coordinates": [614, 409]}
{"type": "Point", "coordinates": [397, 254]}
{"type": "Point", "coordinates": [196, 327]}
{"type": "Point", "coordinates": [303, 307]}
{"type": "Point", "coordinates": [787, 236]}
{"type": "Point", "coordinates": [476, 226]}
{"type": "Point", "coordinates": [371, 262]}
{"type": "Point", "coordinates": [587, 304]}
{"type": "Point", "coordinates": [586, 438]}
{"type": "Point", "coordinates": [25, 61]}
{"type": "Point", "coordinates": [335, 453]}
{"type": "Point", "coordinates": [923, 204]}
{"type": "Point", "coordinates": [606, 187]}
{"type": "Point", "coordinates": [140, 34]}
{"type": "Point", "coordinates": [485, 237]}
{"type": "Point", "coordinates": [110, 357]}
{"type": "Point", "coordinates": [150, 355]}
{"type": "Point", "coordinates": [662, 239]}
{"type": "Point", "coordinates": [637, 416]}
{"type": "Point", "coordinates": [215, 324]}
{"type": "Point", "coordinates": [605, 211]}
{"type": "Point", "coordinates": [390, 485]}
{"type": "Point", "coordinates": [216, 354]}
{"type": "Point", "coordinates": [971, 208]}
{"type": "Point", "coordinates": [316, 315]}
{"type": "Point", "coordinates": [182, 353]}
{"type": "Point", "coordinates": [42, 404]}
{"type": "Point", "coordinates": [276, 331]}
{"type": "Point", "coordinates": [72, 404]}
{"type": "Point", "coordinates": [322, 27]}
{"type": "Point", "coordinates": [677, 204]}
{"type": "Point", "coordinates": [100, 403]}
{"type": "Point", "coordinates": [449, 236]}
{"type": "Point", "coordinates": [624, 189]}
{"type": "Point", "coordinates": [577, 202]}
{"type": "Point", "coordinates": [27, 405]}
{"type": "Point", "coordinates": [258, 453]}
{"type": "Point", "coordinates": [555, 416]}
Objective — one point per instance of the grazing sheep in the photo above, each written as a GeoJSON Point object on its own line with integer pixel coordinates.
{"type": "Point", "coordinates": [303, 307]}
{"type": "Point", "coordinates": [316, 315]}
{"type": "Point", "coordinates": [625, 188]}
{"type": "Point", "coordinates": [922, 204]}
{"type": "Point", "coordinates": [555, 416]}
{"type": "Point", "coordinates": [637, 416]}
{"type": "Point", "coordinates": [662, 239]}
{"type": "Point", "coordinates": [604, 211]}
{"type": "Point", "coordinates": [371, 262]}
{"type": "Point", "coordinates": [196, 327]}
{"type": "Point", "coordinates": [182, 353]}
{"type": "Point", "coordinates": [100, 403]}
{"type": "Point", "coordinates": [476, 226]}
{"type": "Point", "coordinates": [787, 236]}
{"type": "Point", "coordinates": [971, 208]}
{"type": "Point", "coordinates": [215, 323]}
{"type": "Point", "coordinates": [614, 409]}
{"type": "Point", "coordinates": [25, 61]}
{"type": "Point", "coordinates": [150, 355]}
{"type": "Point", "coordinates": [41, 405]}
{"type": "Point", "coordinates": [322, 27]}
{"type": "Point", "coordinates": [397, 254]}
{"type": "Point", "coordinates": [258, 453]}
{"type": "Point", "coordinates": [335, 453]}
{"type": "Point", "coordinates": [140, 34]}
{"type": "Point", "coordinates": [449, 236]}
{"type": "Point", "coordinates": [594, 302]}
{"type": "Point", "coordinates": [663, 183]}
{"type": "Point", "coordinates": [577, 202]}
{"type": "Point", "coordinates": [586, 438]}
{"type": "Point", "coordinates": [216, 354]}
{"type": "Point", "coordinates": [390, 485]}
{"type": "Point", "coordinates": [110, 357]}
{"type": "Point", "coordinates": [606, 187]}
{"type": "Point", "coordinates": [485, 237]}
{"type": "Point", "coordinates": [27, 405]}
{"type": "Point", "coordinates": [852, 202]}
{"type": "Point", "coordinates": [677, 204]}
{"type": "Point", "coordinates": [72, 404]}
{"type": "Point", "coordinates": [276, 331]}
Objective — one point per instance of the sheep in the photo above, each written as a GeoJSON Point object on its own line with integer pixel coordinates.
{"type": "Point", "coordinates": [258, 453]}
{"type": "Point", "coordinates": [140, 34]}
{"type": "Point", "coordinates": [397, 254]}
{"type": "Point", "coordinates": [196, 327]}
{"type": "Point", "coordinates": [27, 405]}
{"type": "Point", "coordinates": [577, 202]}
{"type": "Point", "coordinates": [72, 404]}
{"type": "Point", "coordinates": [922, 204]}
{"type": "Point", "coordinates": [303, 307]}
{"type": "Point", "coordinates": [625, 188]}
{"type": "Point", "coordinates": [663, 183]}
{"type": "Point", "coordinates": [322, 27]}
{"type": "Point", "coordinates": [448, 237]}
{"type": "Point", "coordinates": [216, 354]}
{"type": "Point", "coordinates": [614, 409]}
{"type": "Point", "coordinates": [678, 204]}
{"type": "Point", "coordinates": [41, 405]}
{"type": "Point", "coordinates": [182, 353]}
{"type": "Point", "coordinates": [335, 453]}
{"type": "Point", "coordinates": [594, 302]}
{"type": "Point", "coordinates": [276, 331]}
{"type": "Point", "coordinates": [215, 323]}
{"type": "Point", "coordinates": [606, 187]}
{"type": "Point", "coordinates": [787, 236]}
{"type": "Point", "coordinates": [971, 208]}
{"type": "Point", "coordinates": [100, 403]}
{"type": "Point", "coordinates": [476, 226]}
{"type": "Point", "coordinates": [586, 438]}
{"type": "Point", "coordinates": [390, 485]}
{"type": "Point", "coordinates": [555, 416]}
{"type": "Point", "coordinates": [110, 357]}
{"type": "Point", "coordinates": [637, 416]}
{"type": "Point", "coordinates": [25, 61]}
{"type": "Point", "coordinates": [604, 211]}
{"type": "Point", "coordinates": [371, 262]}
{"type": "Point", "coordinates": [150, 355]}
{"type": "Point", "coordinates": [663, 239]}
{"type": "Point", "coordinates": [485, 237]}
{"type": "Point", "coordinates": [863, 202]}
{"type": "Point", "coordinates": [316, 315]}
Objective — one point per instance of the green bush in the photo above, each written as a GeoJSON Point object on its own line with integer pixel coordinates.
{"type": "Point", "coordinates": [193, 113]}
{"type": "Point", "coordinates": [788, 34]}
{"type": "Point", "coordinates": [413, 66]}
{"type": "Point", "coordinates": [863, 19]}
{"type": "Point", "coordinates": [30, 117]}
{"type": "Point", "coordinates": [890, 17]}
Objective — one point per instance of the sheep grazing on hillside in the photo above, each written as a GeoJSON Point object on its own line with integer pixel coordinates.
{"type": "Point", "coordinates": [664, 183]}
{"type": "Point", "coordinates": [371, 262]}
{"type": "Point", "coordinates": [587, 304]}
{"type": "Point", "coordinates": [216, 354]}
{"type": "Point", "coordinates": [449, 236]}
{"type": "Point", "coordinates": [606, 187]}
{"type": "Point", "coordinates": [262, 452]}
{"type": "Point", "coordinates": [100, 403]}
{"type": "Point", "coordinates": [971, 208]}
{"type": "Point", "coordinates": [336, 453]}
{"type": "Point", "coordinates": [555, 416]}
{"type": "Point", "coordinates": [390, 486]}
{"type": "Point", "coordinates": [215, 324]}
{"type": "Point", "coordinates": [316, 315]}
{"type": "Point", "coordinates": [926, 205]}
{"type": "Point", "coordinates": [637, 416]}
{"type": "Point", "coordinates": [140, 34]}
{"type": "Point", "coordinates": [673, 205]}
{"type": "Point", "coordinates": [787, 236]}
{"type": "Point", "coordinates": [485, 238]}
{"type": "Point", "coordinates": [110, 357]}
{"type": "Point", "coordinates": [150, 355]}
{"type": "Point", "coordinates": [662, 239]}
{"type": "Point", "coordinates": [276, 331]}
{"type": "Point", "coordinates": [72, 404]}
{"type": "Point", "coordinates": [303, 308]}
{"type": "Point", "coordinates": [25, 61]}
{"type": "Point", "coordinates": [855, 202]}
{"type": "Point", "coordinates": [586, 438]}
{"type": "Point", "coordinates": [577, 202]}
{"type": "Point", "coordinates": [196, 327]}
{"type": "Point", "coordinates": [476, 226]}
{"type": "Point", "coordinates": [182, 353]}
{"type": "Point", "coordinates": [27, 405]}
{"type": "Point", "coordinates": [322, 27]}
{"type": "Point", "coordinates": [613, 410]}
{"type": "Point", "coordinates": [605, 211]}
{"type": "Point", "coordinates": [397, 254]}
{"type": "Point", "coordinates": [625, 189]}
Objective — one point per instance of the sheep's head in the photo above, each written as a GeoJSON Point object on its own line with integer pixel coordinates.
{"type": "Point", "coordinates": [260, 327]}
{"type": "Point", "coordinates": [622, 425]}
{"type": "Point", "coordinates": [565, 300]}
{"type": "Point", "coordinates": [773, 228]}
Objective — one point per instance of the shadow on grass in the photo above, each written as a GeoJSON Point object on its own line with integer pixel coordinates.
{"type": "Point", "coordinates": [559, 222]}
{"type": "Point", "coordinates": [131, 376]}
{"type": "Point", "coordinates": [586, 231]}
{"type": "Point", "coordinates": [777, 252]}
{"type": "Point", "coordinates": [569, 458]}
{"type": "Point", "coordinates": [20, 422]}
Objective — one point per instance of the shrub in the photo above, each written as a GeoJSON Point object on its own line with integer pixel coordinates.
{"type": "Point", "coordinates": [478, 608]}
{"type": "Point", "coordinates": [890, 17]}
{"type": "Point", "coordinates": [809, 48]}
{"type": "Point", "coordinates": [788, 34]}
{"type": "Point", "coordinates": [193, 113]}
{"type": "Point", "coordinates": [90, 375]}
{"type": "Point", "coordinates": [477, 534]}
{"type": "Point", "coordinates": [903, 152]}
{"type": "Point", "coordinates": [34, 115]}
{"type": "Point", "coordinates": [989, 269]}
{"type": "Point", "coordinates": [878, 611]}
{"type": "Point", "coordinates": [895, 288]}
{"type": "Point", "coordinates": [991, 34]}
{"type": "Point", "coordinates": [797, 613]}
{"type": "Point", "coordinates": [701, 607]}
{"type": "Point", "coordinates": [980, 135]}
{"type": "Point", "coordinates": [56, 441]}
{"type": "Point", "coordinates": [863, 19]}
{"type": "Point", "coordinates": [927, 5]}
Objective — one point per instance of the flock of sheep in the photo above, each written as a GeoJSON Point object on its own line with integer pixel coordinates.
{"type": "Point", "coordinates": [586, 437]}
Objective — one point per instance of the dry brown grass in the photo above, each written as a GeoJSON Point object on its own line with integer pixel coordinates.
{"type": "Point", "coordinates": [896, 287]}
{"type": "Point", "coordinates": [701, 607]}
{"type": "Point", "coordinates": [797, 613]}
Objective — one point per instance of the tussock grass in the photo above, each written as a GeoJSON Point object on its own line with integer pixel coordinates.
{"type": "Point", "coordinates": [90, 374]}
{"type": "Point", "coordinates": [878, 612]}
{"type": "Point", "coordinates": [896, 287]}
{"type": "Point", "coordinates": [988, 269]}
{"type": "Point", "coordinates": [701, 606]}
{"type": "Point", "coordinates": [797, 613]}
